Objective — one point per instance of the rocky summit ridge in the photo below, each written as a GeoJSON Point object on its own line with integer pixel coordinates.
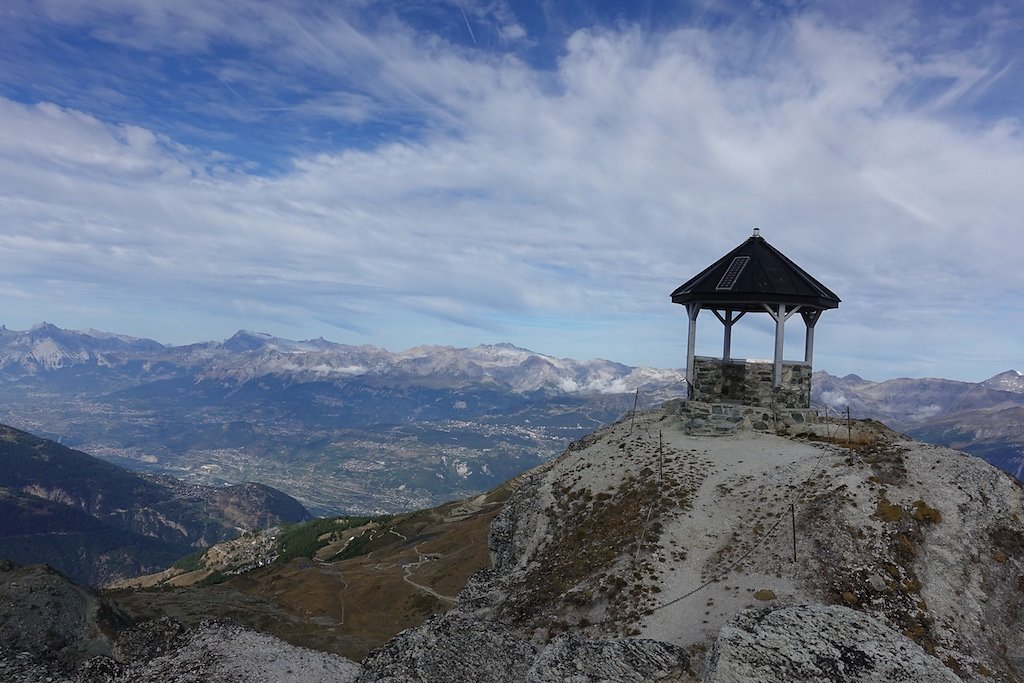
{"type": "Point", "coordinates": [651, 537]}
{"type": "Point", "coordinates": [679, 545]}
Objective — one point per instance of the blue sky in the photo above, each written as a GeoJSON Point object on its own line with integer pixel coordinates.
{"type": "Point", "coordinates": [543, 173]}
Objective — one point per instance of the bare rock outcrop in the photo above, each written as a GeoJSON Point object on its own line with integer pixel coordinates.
{"type": "Point", "coordinates": [42, 613]}
{"type": "Point", "coordinates": [571, 658]}
{"type": "Point", "coordinates": [53, 630]}
{"type": "Point", "coordinates": [458, 648]}
{"type": "Point", "coordinates": [451, 648]}
{"type": "Point", "coordinates": [817, 644]}
{"type": "Point", "coordinates": [228, 653]}
{"type": "Point", "coordinates": [150, 639]}
{"type": "Point", "coordinates": [646, 529]}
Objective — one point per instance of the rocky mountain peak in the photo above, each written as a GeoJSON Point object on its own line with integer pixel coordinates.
{"type": "Point", "coordinates": [714, 536]}
{"type": "Point", "coordinates": [47, 347]}
{"type": "Point", "coordinates": [1011, 380]}
{"type": "Point", "coordinates": [243, 340]}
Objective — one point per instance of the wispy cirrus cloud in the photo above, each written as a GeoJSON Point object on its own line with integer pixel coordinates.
{"type": "Point", "coordinates": [382, 171]}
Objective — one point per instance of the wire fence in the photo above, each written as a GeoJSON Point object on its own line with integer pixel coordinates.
{"type": "Point", "coordinates": [838, 421]}
{"type": "Point", "coordinates": [837, 418]}
{"type": "Point", "coordinates": [765, 537]}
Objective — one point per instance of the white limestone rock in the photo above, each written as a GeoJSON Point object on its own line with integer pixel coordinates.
{"type": "Point", "coordinates": [229, 653]}
{"type": "Point", "coordinates": [451, 648]}
{"type": "Point", "coordinates": [458, 648]}
{"type": "Point", "coordinates": [571, 658]}
{"type": "Point", "coordinates": [817, 644]}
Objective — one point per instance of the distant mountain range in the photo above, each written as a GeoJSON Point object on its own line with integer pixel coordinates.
{"type": "Point", "coordinates": [985, 418]}
{"type": "Point", "coordinates": [342, 428]}
{"type": "Point", "coordinates": [359, 429]}
{"type": "Point", "coordinates": [96, 522]}
{"type": "Point", "coordinates": [127, 361]}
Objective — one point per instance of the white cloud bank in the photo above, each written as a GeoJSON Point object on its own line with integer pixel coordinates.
{"type": "Point", "coordinates": [552, 208]}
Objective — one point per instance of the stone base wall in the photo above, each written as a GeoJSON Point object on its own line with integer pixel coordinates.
{"type": "Point", "coordinates": [726, 418]}
{"type": "Point", "coordinates": [750, 383]}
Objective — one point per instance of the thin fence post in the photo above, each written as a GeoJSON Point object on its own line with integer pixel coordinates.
{"type": "Point", "coordinates": [632, 417]}
{"type": "Point", "coordinates": [792, 514]}
{"type": "Point", "coordinates": [849, 427]}
{"type": "Point", "coordinates": [661, 458]}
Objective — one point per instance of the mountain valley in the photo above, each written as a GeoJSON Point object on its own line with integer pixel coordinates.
{"type": "Point", "coordinates": [343, 429]}
{"type": "Point", "coordinates": [357, 429]}
{"type": "Point", "coordinates": [97, 522]}
{"type": "Point", "coordinates": [350, 587]}
{"type": "Point", "coordinates": [360, 430]}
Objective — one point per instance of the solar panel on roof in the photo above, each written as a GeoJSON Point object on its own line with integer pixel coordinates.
{"type": "Point", "coordinates": [732, 273]}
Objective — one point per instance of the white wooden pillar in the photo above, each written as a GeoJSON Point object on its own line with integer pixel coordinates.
{"type": "Point", "coordinates": [780, 315]}
{"type": "Point", "coordinates": [728, 321]}
{"type": "Point", "coordinates": [780, 333]}
{"type": "Point", "coordinates": [810, 320]}
{"type": "Point", "coordinates": [692, 310]}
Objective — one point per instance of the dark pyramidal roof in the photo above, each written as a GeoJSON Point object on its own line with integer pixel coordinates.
{"type": "Point", "coordinates": [753, 274]}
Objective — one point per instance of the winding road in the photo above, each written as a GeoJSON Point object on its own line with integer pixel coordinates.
{"type": "Point", "coordinates": [421, 560]}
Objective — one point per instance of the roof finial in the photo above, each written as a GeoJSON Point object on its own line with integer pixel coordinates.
{"type": "Point", "coordinates": [757, 232]}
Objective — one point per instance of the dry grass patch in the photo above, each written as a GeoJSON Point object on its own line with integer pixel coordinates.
{"type": "Point", "coordinates": [350, 606]}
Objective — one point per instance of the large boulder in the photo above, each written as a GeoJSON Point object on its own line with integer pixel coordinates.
{"type": "Point", "coordinates": [42, 613]}
{"type": "Point", "coordinates": [817, 644]}
{"type": "Point", "coordinates": [225, 652]}
{"type": "Point", "coordinates": [451, 648]}
{"type": "Point", "coordinates": [571, 658]}
{"type": "Point", "coordinates": [459, 648]}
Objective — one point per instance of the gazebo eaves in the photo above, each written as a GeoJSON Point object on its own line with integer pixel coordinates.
{"type": "Point", "coordinates": [753, 302]}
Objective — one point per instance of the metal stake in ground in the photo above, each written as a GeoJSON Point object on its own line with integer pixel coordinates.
{"type": "Point", "coordinates": [792, 514]}
{"type": "Point", "coordinates": [661, 457]}
{"type": "Point", "coordinates": [633, 416]}
{"type": "Point", "coordinates": [849, 428]}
